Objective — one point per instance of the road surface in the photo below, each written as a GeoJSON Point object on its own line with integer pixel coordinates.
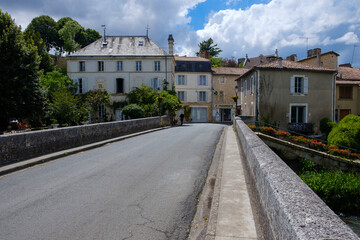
{"type": "Point", "coordinates": [144, 187]}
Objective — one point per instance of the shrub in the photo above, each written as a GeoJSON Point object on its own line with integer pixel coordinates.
{"type": "Point", "coordinates": [346, 133]}
{"type": "Point", "coordinates": [325, 126]}
{"type": "Point", "coordinates": [133, 111]}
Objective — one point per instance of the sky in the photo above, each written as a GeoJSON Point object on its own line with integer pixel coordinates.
{"type": "Point", "coordinates": [238, 27]}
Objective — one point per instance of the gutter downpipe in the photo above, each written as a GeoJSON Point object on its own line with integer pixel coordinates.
{"type": "Point", "coordinates": [334, 97]}
{"type": "Point", "coordinates": [257, 76]}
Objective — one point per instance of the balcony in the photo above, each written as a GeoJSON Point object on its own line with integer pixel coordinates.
{"type": "Point", "coordinates": [303, 128]}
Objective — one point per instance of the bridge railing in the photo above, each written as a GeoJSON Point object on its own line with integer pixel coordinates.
{"type": "Point", "coordinates": [288, 208]}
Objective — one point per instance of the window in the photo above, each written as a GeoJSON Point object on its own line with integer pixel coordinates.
{"type": "Point", "coordinates": [81, 85]}
{"type": "Point", "coordinates": [298, 114]}
{"type": "Point", "coordinates": [202, 96]}
{"type": "Point", "coordinates": [141, 43]}
{"type": "Point", "coordinates": [252, 85]}
{"type": "Point", "coordinates": [298, 85]}
{"type": "Point", "coordinates": [202, 80]}
{"type": "Point", "coordinates": [155, 83]}
{"type": "Point", "coordinates": [119, 66]}
{"type": "Point", "coordinates": [222, 80]}
{"type": "Point", "coordinates": [119, 85]}
{"type": "Point", "coordinates": [221, 96]}
{"type": "Point", "coordinates": [82, 66]}
{"type": "Point", "coordinates": [345, 92]}
{"type": "Point", "coordinates": [138, 66]}
{"type": "Point", "coordinates": [100, 66]}
{"type": "Point", "coordinates": [181, 80]}
{"type": "Point", "coordinates": [157, 66]}
{"type": "Point", "coordinates": [101, 112]}
{"type": "Point", "coordinates": [245, 88]}
{"type": "Point", "coordinates": [181, 96]}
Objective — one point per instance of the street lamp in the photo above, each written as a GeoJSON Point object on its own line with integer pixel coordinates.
{"type": "Point", "coordinates": [235, 99]}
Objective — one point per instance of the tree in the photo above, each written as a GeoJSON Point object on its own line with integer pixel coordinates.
{"type": "Point", "coordinates": [67, 34]}
{"type": "Point", "coordinates": [96, 99]}
{"type": "Point", "coordinates": [85, 37]}
{"type": "Point", "coordinates": [20, 94]}
{"type": "Point", "coordinates": [207, 47]}
{"type": "Point", "coordinates": [346, 132]}
{"type": "Point", "coordinates": [229, 62]}
{"type": "Point", "coordinates": [169, 103]}
{"type": "Point", "coordinates": [133, 111]}
{"type": "Point", "coordinates": [55, 81]}
{"type": "Point", "coordinates": [46, 27]}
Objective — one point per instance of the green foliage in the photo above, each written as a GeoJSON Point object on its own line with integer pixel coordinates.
{"type": "Point", "coordinates": [96, 98]}
{"type": "Point", "coordinates": [325, 126]}
{"type": "Point", "coordinates": [46, 27]}
{"type": "Point", "coordinates": [55, 81]}
{"type": "Point", "coordinates": [208, 47]}
{"type": "Point", "coordinates": [20, 95]}
{"type": "Point", "coordinates": [339, 190]}
{"type": "Point", "coordinates": [65, 108]}
{"type": "Point", "coordinates": [67, 34]}
{"type": "Point", "coordinates": [143, 95]}
{"type": "Point", "coordinates": [169, 103]}
{"type": "Point", "coordinates": [346, 132]}
{"type": "Point", "coordinates": [187, 113]}
{"type": "Point", "coordinates": [133, 111]}
{"type": "Point", "coordinates": [216, 62]}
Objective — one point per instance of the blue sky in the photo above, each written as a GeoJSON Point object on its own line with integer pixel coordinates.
{"type": "Point", "coordinates": [239, 27]}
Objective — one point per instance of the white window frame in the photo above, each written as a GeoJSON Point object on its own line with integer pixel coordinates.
{"type": "Point", "coordinates": [101, 66]}
{"type": "Point", "coordinates": [155, 83]}
{"type": "Point", "coordinates": [119, 66]}
{"type": "Point", "coordinates": [202, 96]}
{"type": "Point", "coordinates": [81, 88]}
{"type": "Point", "coordinates": [157, 66]}
{"type": "Point", "coordinates": [82, 66]}
{"type": "Point", "coordinates": [299, 88]}
{"type": "Point", "coordinates": [182, 96]}
{"type": "Point", "coordinates": [138, 66]}
{"type": "Point", "coordinates": [181, 80]}
{"type": "Point", "coordinates": [202, 80]}
{"type": "Point", "coordinates": [299, 105]}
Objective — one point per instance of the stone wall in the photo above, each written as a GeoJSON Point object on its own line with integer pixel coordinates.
{"type": "Point", "coordinates": [288, 207]}
{"type": "Point", "coordinates": [22, 146]}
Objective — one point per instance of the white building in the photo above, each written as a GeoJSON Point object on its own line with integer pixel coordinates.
{"type": "Point", "coordinates": [119, 64]}
{"type": "Point", "coordinates": [194, 86]}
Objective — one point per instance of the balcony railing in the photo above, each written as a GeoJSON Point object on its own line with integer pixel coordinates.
{"type": "Point", "coordinates": [304, 128]}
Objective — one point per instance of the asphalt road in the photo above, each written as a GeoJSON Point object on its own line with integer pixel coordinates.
{"type": "Point", "coordinates": [144, 187]}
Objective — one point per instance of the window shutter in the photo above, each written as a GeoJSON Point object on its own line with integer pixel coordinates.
{"type": "Point", "coordinates": [158, 83]}
{"type": "Point", "coordinates": [185, 96]}
{"type": "Point", "coordinates": [198, 80]}
{"type": "Point", "coordinates": [78, 84]}
{"type": "Point", "coordinates": [292, 85]}
{"type": "Point", "coordinates": [206, 80]}
{"type": "Point", "coordinates": [306, 85]}
{"type": "Point", "coordinates": [206, 96]}
{"type": "Point", "coordinates": [178, 80]}
{"type": "Point", "coordinates": [84, 85]}
{"type": "Point", "coordinates": [185, 79]}
{"type": "Point", "coordinates": [198, 96]}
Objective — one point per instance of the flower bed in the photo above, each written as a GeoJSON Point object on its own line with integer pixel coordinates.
{"type": "Point", "coordinates": [307, 142]}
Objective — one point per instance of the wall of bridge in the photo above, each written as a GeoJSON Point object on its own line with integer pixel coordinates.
{"type": "Point", "coordinates": [289, 209]}
{"type": "Point", "coordinates": [22, 146]}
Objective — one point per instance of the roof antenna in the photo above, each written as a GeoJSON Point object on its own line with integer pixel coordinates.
{"type": "Point", "coordinates": [307, 41]}
{"type": "Point", "coordinates": [147, 30]}
{"type": "Point", "coordinates": [352, 58]}
{"type": "Point", "coordinates": [104, 26]}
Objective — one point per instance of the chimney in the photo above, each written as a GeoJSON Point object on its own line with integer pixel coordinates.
{"type": "Point", "coordinates": [276, 53]}
{"type": "Point", "coordinates": [313, 52]}
{"type": "Point", "coordinates": [345, 65]}
{"type": "Point", "coordinates": [292, 57]}
{"type": "Point", "coordinates": [280, 61]}
{"type": "Point", "coordinates": [171, 44]}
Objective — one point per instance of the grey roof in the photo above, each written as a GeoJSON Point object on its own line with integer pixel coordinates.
{"type": "Point", "coordinates": [121, 46]}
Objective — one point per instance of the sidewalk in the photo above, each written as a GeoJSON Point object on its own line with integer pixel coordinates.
{"type": "Point", "coordinates": [234, 219]}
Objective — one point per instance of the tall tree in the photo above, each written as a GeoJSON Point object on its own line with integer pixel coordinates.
{"type": "Point", "coordinates": [20, 95]}
{"type": "Point", "coordinates": [46, 27]}
{"type": "Point", "coordinates": [68, 33]}
{"type": "Point", "coordinates": [207, 46]}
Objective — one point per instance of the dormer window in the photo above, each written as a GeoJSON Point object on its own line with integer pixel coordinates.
{"type": "Point", "coordinates": [141, 43]}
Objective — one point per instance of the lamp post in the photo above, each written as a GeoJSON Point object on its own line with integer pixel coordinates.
{"type": "Point", "coordinates": [236, 94]}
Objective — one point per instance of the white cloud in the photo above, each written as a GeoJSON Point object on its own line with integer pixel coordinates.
{"type": "Point", "coordinates": [281, 24]}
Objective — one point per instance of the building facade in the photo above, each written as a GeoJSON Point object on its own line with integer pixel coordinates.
{"type": "Point", "coordinates": [120, 64]}
{"type": "Point", "coordinates": [223, 92]}
{"type": "Point", "coordinates": [288, 94]}
{"type": "Point", "coordinates": [194, 86]}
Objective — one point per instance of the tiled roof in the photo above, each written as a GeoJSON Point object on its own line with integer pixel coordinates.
{"type": "Point", "coordinates": [252, 62]}
{"type": "Point", "coordinates": [348, 73]}
{"type": "Point", "coordinates": [347, 82]}
{"type": "Point", "coordinates": [121, 46]}
{"type": "Point", "coordinates": [229, 70]}
{"type": "Point", "coordinates": [291, 65]}
{"type": "Point", "coordinates": [322, 54]}
{"type": "Point", "coordinates": [192, 59]}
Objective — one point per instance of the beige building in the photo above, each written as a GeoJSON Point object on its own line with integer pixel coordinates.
{"type": "Point", "coordinates": [224, 89]}
{"type": "Point", "coordinates": [291, 95]}
{"type": "Point", "coordinates": [347, 91]}
{"type": "Point", "coordinates": [193, 86]}
{"type": "Point", "coordinates": [120, 64]}
{"type": "Point", "coordinates": [316, 58]}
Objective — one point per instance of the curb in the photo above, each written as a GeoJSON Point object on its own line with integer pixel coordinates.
{"type": "Point", "coordinates": [53, 156]}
